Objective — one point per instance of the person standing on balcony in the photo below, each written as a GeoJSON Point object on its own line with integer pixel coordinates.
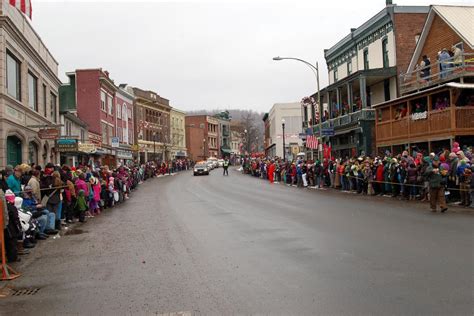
{"type": "Point", "coordinates": [444, 62]}
{"type": "Point", "coordinates": [425, 67]}
{"type": "Point", "coordinates": [457, 56]}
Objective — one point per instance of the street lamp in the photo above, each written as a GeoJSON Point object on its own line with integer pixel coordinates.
{"type": "Point", "coordinates": [315, 69]}
{"type": "Point", "coordinates": [284, 147]}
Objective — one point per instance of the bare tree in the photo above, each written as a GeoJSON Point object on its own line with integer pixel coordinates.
{"type": "Point", "coordinates": [251, 132]}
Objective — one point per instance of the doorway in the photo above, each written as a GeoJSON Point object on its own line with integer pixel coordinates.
{"type": "Point", "coordinates": [14, 151]}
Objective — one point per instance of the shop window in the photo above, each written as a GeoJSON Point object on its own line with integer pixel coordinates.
{"type": "Point", "coordinates": [366, 59]}
{"type": "Point", "coordinates": [13, 76]}
{"type": "Point", "coordinates": [53, 106]}
{"type": "Point", "coordinates": [103, 100]}
{"type": "Point", "coordinates": [119, 112]}
{"type": "Point", "coordinates": [45, 102]}
{"type": "Point", "coordinates": [385, 53]}
{"type": "Point", "coordinates": [32, 92]}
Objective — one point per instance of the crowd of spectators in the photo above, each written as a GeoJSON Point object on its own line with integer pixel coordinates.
{"type": "Point", "coordinates": [435, 177]}
{"type": "Point", "coordinates": [40, 201]}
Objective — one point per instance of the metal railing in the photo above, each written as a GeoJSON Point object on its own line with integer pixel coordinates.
{"type": "Point", "coordinates": [437, 72]}
{"type": "Point", "coordinates": [351, 118]}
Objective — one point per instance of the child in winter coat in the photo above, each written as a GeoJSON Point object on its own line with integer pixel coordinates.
{"type": "Point", "coordinates": [111, 189]}
{"type": "Point", "coordinates": [81, 206]}
{"type": "Point", "coordinates": [94, 198]}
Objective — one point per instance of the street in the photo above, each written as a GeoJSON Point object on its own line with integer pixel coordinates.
{"type": "Point", "coordinates": [214, 245]}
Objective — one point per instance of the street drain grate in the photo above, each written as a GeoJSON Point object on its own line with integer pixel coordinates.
{"type": "Point", "coordinates": [23, 292]}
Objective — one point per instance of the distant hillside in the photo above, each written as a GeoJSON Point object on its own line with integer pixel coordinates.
{"type": "Point", "coordinates": [236, 114]}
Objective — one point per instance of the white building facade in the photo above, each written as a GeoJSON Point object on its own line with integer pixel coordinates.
{"type": "Point", "coordinates": [29, 86]}
{"type": "Point", "coordinates": [291, 114]}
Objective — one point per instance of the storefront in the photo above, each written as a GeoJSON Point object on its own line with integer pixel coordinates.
{"type": "Point", "coordinates": [68, 151]}
{"type": "Point", "coordinates": [124, 156]}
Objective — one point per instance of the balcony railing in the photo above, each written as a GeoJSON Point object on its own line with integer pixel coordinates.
{"type": "Point", "coordinates": [348, 119]}
{"type": "Point", "coordinates": [437, 72]}
{"type": "Point", "coordinates": [440, 122]}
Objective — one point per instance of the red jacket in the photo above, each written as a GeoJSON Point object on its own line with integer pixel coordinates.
{"type": "Point", "coordinates": [379, 175]}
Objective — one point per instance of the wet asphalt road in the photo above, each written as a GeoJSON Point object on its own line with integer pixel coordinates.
{"type": "Point", "coordinates": [238, 245]}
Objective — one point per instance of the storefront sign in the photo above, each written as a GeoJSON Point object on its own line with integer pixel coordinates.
{"type": "Point", "coordinates": [48, 133]}
{"type": "Point", "coordinates": [419, 116]}
{"type": "Point", "coordinates": [124, 154]}
{"type": "Point", "coordinates": [66, 145]}
{"type": "Point", "coordinates": [87, 147]}
{"type": "Point", "coordinates": [115, 142]}
{"type": "Point", "coordinates": [135, 147]}
{"type": "Point", "coordinates": [95, 139]}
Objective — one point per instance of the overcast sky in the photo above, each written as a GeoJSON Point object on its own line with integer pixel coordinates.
{"type": "Point", "coordinates": [203, 55]}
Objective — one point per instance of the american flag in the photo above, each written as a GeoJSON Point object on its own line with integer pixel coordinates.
{"type": "Point", "coordinates": [311, 142]}
{"type": "Point", "coordinates": [23, 5]}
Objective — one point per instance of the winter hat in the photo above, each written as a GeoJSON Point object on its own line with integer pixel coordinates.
{"type": "Point", "coordinates": [445, 166]}
{"type": "Point", "coordinates": [18, 202]}
{"type": "Point", "coordinates": [9, 196]}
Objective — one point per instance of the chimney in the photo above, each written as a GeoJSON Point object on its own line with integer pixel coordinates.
{"type": "Point", "coordinates": [388, 2]}
{"type": "Point", "coordinates": [106, 73]}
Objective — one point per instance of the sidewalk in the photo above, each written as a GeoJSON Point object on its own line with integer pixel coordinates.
{"type": "Point", "coordinates": [453, 207]}
{"type": "Point", "coordinates": [76, 228]}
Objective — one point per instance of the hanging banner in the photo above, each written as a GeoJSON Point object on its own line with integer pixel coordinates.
{"type": "Point", "coordinates": [48, 133]}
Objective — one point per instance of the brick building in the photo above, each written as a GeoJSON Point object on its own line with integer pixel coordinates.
{"type": "Point", "coordinates": [437, 107]}
{"type": "Point", "coordinates": [90, 93]}
{"type": "Point", "coordinates": [28, 93]}
{"type": "Point", "coordinates": [446, 27]}
{"type": "Point", "coordinates": [364, 68]}
{"type": "Point", "coordinates": [202, 136]}
{"type": "Point", "coordinates": [152, 125]}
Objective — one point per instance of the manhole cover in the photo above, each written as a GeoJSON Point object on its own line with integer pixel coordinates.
{"type": "Point", "coordinates": [75, 231]}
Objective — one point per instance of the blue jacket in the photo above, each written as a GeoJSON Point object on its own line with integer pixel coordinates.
{"type": "Point", "coordinates": [14, 184]}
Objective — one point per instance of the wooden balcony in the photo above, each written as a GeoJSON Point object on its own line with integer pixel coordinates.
{"type": "Point", "coordinates": [416, 81]}
{"type": "Point", "coordinates": [438, 124]}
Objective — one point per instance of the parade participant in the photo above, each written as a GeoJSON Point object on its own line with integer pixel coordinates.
{"type": "Point", "coordinates": [225, 166]}
{"type": "Point", "coordinates": [271, 172]}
